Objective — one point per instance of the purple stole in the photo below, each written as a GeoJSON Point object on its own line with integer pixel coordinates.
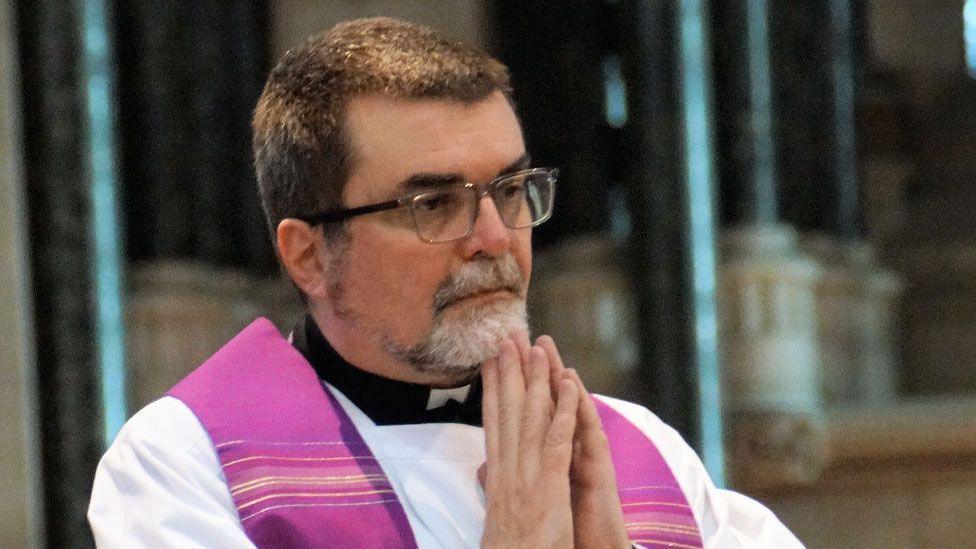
{"type": "Point", "coordinates": [301, 476]}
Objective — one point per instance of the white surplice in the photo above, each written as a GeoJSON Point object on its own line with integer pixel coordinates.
{"type": "Point", "coordinates": [161, 485]}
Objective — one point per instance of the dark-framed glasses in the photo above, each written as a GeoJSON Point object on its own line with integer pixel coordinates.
{"type": "Point", "coordinates": [523, 199]}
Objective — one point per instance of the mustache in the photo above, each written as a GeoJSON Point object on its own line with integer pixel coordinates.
{"type": "Point", "coordinates": [478, 277]}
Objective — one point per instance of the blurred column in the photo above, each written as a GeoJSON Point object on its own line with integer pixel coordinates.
{"type": "Point", "coordinates": [69, 169]}
{"type": "Point", "coordinates": [768, 288]}
{"type": "Point", "coordinates": [555, 51]}
{"type": "Point", "coordinates": [806, 315]}
{"type": "Point", "coordinates": [818, 55]}
{"type": "Point", "coordinates": [744, 105]}
{"type": "Point", "coordinates": [190, 76]}
{"type": "Point", "coordinates": [20, 452]}
{"type": "Point", "coordinates": [814, 52]}
{"type": "Point", "coordinates": [666, 58]}
{"type": "Point", "coordinates": [786, 75]}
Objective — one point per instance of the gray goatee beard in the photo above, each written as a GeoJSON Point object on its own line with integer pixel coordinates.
{"type": "Point", "coordinates": [458, 343]}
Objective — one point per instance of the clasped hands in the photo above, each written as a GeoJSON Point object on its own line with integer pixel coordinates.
{"type": "Point", "coordinates": [548, 478]}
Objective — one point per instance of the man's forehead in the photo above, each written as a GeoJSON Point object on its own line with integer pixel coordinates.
{"type": "Point", "coordinates": [429, 180]}
{"type": "Point", "coordinates": [393, 139]}
{"type": "Point", "coordinates": [383, 112]}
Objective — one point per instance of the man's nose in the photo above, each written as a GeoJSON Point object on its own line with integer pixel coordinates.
{"type": "Point", "coordinates": [490, 235]}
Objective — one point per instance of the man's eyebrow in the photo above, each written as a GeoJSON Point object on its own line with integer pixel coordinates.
{"type": "Point", "coordinates": [422, 181]}
{"type": "Point", "coordinates": [522, 163]}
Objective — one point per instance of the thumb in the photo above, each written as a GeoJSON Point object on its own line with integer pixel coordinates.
{"type": "Point", "coordinates": [482, 474]}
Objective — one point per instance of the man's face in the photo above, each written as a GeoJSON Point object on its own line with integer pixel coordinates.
{"type": "Point", "coordinates": [410, 297]}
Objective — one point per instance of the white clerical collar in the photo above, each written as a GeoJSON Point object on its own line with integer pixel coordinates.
{"type": "Point", "coordinates": [439, 397]}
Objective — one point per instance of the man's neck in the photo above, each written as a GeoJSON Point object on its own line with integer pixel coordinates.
{"type": "Point", "coordinates": [355, 346]}
{"type": "Point", "coordinates": [384, 400]}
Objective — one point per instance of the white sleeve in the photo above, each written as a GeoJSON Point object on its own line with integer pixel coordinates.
{"type": "Point", "coordinates": [727, 519]}
{"type": "Point", "coordinates": [160, 485]}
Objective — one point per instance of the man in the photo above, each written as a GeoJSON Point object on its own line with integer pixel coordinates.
{"type": "Point", "coordinates": [396, 182]}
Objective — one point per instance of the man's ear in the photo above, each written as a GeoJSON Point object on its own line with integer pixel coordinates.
{"type": "Point", "coordinates": [302, 252]}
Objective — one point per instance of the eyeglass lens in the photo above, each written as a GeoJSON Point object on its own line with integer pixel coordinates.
{"type": "Point", "coordinates": [522, 200]}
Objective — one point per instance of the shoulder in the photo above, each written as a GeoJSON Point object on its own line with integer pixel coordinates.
{"type": "Point", "coordinates": [659, 432]}
{"type": "Point", "coordinates": [633, 412]}
{"type": "Point", "coordinates": [681, 458]}
{"type": "Point", "coordinates": [162, 441]}
{"type": "Point", "coordinates": [163, 469]}
{"type": "Point", "coordinates": [165, 425]}
{"type": "Point", "coordinates": [726, 518]}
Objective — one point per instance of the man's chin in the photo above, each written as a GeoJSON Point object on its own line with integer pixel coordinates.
{"type": "Point", "coordinates": [461, 343]}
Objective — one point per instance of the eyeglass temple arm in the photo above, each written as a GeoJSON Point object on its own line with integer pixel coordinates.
{"type": "Point", "coordinates": [343, 214]}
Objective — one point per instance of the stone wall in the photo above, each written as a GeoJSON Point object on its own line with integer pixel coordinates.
{"type": "Point", "coordinates": [899, 476]}
{"type": "Point", "coordinates": [580, 294]}
{"type": "Point", "coordinates": [179, 313]}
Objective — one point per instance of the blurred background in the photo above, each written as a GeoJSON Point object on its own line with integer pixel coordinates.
{"type": "Point", "coordinates": [765, 232]}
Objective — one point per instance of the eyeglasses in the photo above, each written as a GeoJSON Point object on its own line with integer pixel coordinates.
{"type": "Point", "coordinates": [523, 199]}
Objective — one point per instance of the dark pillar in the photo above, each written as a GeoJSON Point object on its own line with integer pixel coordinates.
{"type": "Point", "coordinates": [190, 75]}
{"type": "Point", "coordinates": [666, 58]}
{"type": "Point", "coordinates": [559, 54]}
{"type": "Point", "coordinates": [658, 215]}
{"type": "Point", "coordinates": [62, 263]}
{"type": "Point", "coordinates": [786, 93]}
{"type": "Point", "coordinates": [555, 51]}
{"type": "Point", "coordinates": [846, 59]}
{"type": "Point", "coordinates": [814, 57]}
{"type": "Point", "coordinates": [744, 109]}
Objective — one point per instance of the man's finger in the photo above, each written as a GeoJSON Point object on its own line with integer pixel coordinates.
{"type": "Point", "coordinates": [489, 409]}
{"type": "Point", "coordinates": [559, 437]}
{"type": "Point", "coordinates": [521, 339]}
{"type": "Point", "coordinates": [587, 414]}
{"type": "Point", "coordinates": [555, 361]}
{"type": "Point", "coordinates": [539, 407]}
{"type": "Point", "coordinates": [482, 474]}
{"type": "Point", "coordinates": [591, 440]}
{"type": "Point", "coordinates": [511, 396]}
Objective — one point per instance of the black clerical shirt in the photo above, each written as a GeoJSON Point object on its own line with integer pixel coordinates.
{"type": "Point", "coordinates": [386, 401]}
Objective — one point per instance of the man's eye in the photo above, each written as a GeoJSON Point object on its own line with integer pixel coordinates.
{"type": "Point", "coordinates": [511, 190]}
{"type": "Point", "coordinates": [436, 202]}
